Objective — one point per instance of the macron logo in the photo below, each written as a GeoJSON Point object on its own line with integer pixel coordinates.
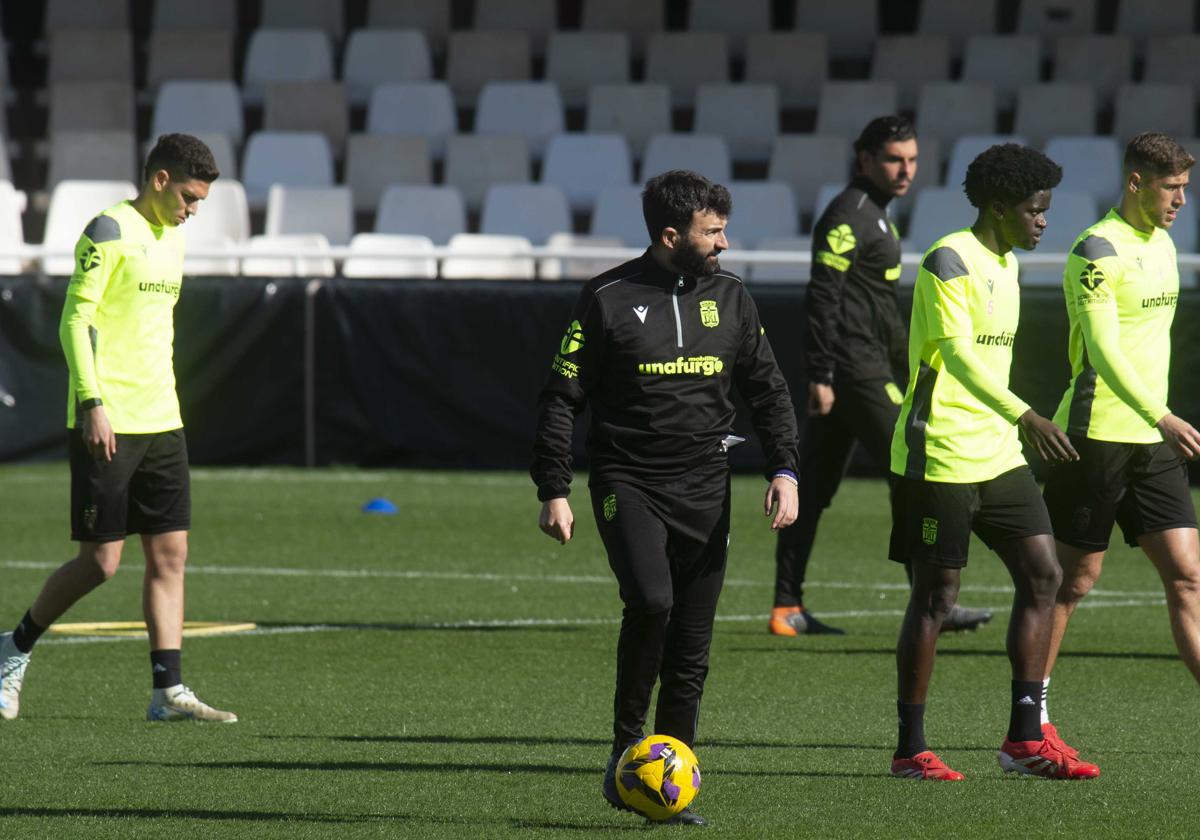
{"type": "Point", "coordinates": [640, 311]}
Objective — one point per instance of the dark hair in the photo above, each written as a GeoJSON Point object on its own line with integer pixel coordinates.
{"type": "Point", "coordinates": [1009, 173]}
{"type": "Point", "coordinates": [184, 156]}
{"type": "Point", "coordinates": [1156, 155]}
{"type": "Point", "coordinates": [881, 131]}
{"type": "Point", "coordinates": [670, 199]}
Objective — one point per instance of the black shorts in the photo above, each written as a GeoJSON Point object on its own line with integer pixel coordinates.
{"type": "Point", "coordinates": [932, 521]}
{"type": "Point", "coordinates": [145, 489]}
{"type": "Point", "coordinates": [1143, 487]}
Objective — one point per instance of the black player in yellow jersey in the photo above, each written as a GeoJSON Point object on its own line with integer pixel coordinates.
{"type": "Point", "coordinates": [960, 465]}
{"type": "Point", "coordinates": [129, 467]}
{"type": "Point", "coordinates": [1121, 284]}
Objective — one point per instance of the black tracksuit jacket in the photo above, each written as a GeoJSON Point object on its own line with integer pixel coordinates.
{"type": "Point", "coordinates": [656, 355]}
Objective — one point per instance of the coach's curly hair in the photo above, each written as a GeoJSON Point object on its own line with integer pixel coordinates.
{"type": "Point", "coordinates": [670, 199]}
{"type": "Point", "coordinates": [184, 156]}
{"type": "Point", "coordinates": [1009, 173]}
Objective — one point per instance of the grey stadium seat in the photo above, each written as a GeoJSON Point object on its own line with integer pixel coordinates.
{"type": "Point", "coordinates": [534, 211]}
{"type": "Point", "coordinates": [436, 212]}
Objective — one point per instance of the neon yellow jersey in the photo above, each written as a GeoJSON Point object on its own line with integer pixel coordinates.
{"type": "Point", "coordinates": [118, 328]}
{"type": "Point", "coordinates": [1121, 286]}
{"type": "Point", "coordinates": [944, 432]}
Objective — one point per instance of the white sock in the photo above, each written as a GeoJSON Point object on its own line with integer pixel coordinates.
{"type": "Point", "coordinates": [1045, 691]}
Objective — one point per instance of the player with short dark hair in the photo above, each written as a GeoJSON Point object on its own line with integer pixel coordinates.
{"type": "Point", "coordinates": [655, 348]}
{"type": "Point", "coordinates": [1121, 284]}
{"type": "Point", "coordinates": [855, 354]}
{"type": "Point", "coordinates": [960, 466]}
{"type": "Point", "coordinates": [128, 455]}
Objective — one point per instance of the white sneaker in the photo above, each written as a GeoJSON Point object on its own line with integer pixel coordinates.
{"type": "Point", "coordinates": [181, 703]}
{"type": "Point", "coordinates": [12, 674]}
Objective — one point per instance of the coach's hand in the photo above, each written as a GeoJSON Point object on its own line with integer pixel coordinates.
{"type": "Point", "coordinates": [1180, 435]}
{"type": "Point", "coordinates": [556, 519]}
{"type": "Point", "coordinates": [782, 500]}
{"type": "Point", "coordinates": [98, 435]}
{"type": "Point", "coordinates": [820, 398]}
{"type": "Point", "coordinates": [1051, 442]}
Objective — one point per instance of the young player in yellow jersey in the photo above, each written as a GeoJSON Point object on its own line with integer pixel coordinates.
{"type": "Point", "coordinates": [129, 467]}
{"type": "Point", "coordinates": [959, 462]}
{"type": "Point", "coordinates": [1121, 284]}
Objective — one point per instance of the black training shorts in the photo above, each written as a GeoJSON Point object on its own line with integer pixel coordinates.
{"type": "Point", "coordinates": [145, 489]}
{"type": "Point", "coordinates": [932, 521]}
{"type": "Point", "coordinates": [1143, 487]}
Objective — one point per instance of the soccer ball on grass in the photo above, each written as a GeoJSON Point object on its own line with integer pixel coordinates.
{"type": "Point", "coordinates": [658, 777]}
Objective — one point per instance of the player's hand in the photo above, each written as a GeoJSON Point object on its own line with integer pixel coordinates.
{"type": "Point", "coordinates": [820, 398]}
{"type": "Point", "coordinates": [1180, 435]}
{"type": "Point", "coordinates": [782, 500]}
{"type": "Point", "coordinates": [1051, 442]}
{"type": "Point", "coordinates": [98, 435]}
{"type": "Point", "coordinates": [557, 520]}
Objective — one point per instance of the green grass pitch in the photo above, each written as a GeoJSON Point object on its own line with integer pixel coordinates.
{"type": "Point", "coordinates": [447, 673]}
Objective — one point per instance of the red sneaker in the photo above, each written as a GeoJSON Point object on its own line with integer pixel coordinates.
{"type": "Point", "coordinates": [1043, 758]}
{"type": "Point", "coordinates": [924, 766]}
{"type": "Point", "coordinates": [1051, 735]}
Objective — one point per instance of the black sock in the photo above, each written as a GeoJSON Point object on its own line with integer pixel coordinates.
{"type": "Point", "coordinates": [1025, 722]}
{"type": "Point", "coordinates": [912, 729]}
{"type": "Point", "coordinates": [27, 633]}
{"type": "Point", "coordinates": [166, 668]}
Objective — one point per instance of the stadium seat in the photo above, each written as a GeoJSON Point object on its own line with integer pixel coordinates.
{"type": "Point", "coordinates": [72, 206]}
{"type": "Point", "coordinates": [1103, 62]}
{"type": "Point", "coordinates": [390, 255]}
{"type": "Point", "coordinates": [762, 210]}
{"type": "Point", "coordinates": [326, 15]}
{"type": "Point", "coordinates": [421, 108]}
{"type": "Point", "coordinates": [309, 106]}
{"type": "Point", "coordinates": [1049, 19]}
{"type": "Point", "coordinates": [205, 54]}
{"type": "Point", "coordinates": [376, 161]}
{"type": "Point", "coordinates": [806, 161]}
{"type": "Point", "coordinates": [852, 25]}
{"type": "Point", "coordinates": [225, 214]}
{"type": "Point", "coordinates": [532, 110]}
{"type": "Point", "coordinates": [1070, 212]}
{"type": "Point", "coordinates": [474, 163]}
{"type": "Point", "coordinates": [434, 212]}
{"type": "Point", "coordinates": [845, 107]}
{"type": "Point", "coordinates": [826, 193]}
{"type": "Point", "coordinates": [328, 211]}
{"type": "Point", "coordinates": [957, 21]}
{"type": "Point", "coordinates": [378, 56]}
{"type": "Point", "coordinates": [618, 214]}
{"type": "Point", "coordinates": [1144, 20]}
{"type": "Point", "coordinates": [1059, 108]}
{"type": "Point", "coordinates": [937, 211]}
{"type": "Point", "coordinates": [577, 60]}
{"type": "Point", "coordinates": [736, 21]}
{"type": "Point", "coordinates": [1173, 60]}
{"type": "Point", "coordinates": [12, 234]}
{"type": "Point", "coordinates": [910, 61]}
{"type": "Point", "coordinates": [87, 14]}
{"type": "Point", "coordinates": [1169, 108]}
{"type": "Point", "coordinates": [504, 258]}
{"type": "Point", "coordinates": [672, 59]}
{"type": "Point", "coordinates": [211, 14]}
{"type": "Point", "coordinates": [194, 107]}
{"type": "Point", "coordinates": [81, 155]}
{"type": "Point", "coordinates": [90, 55]}
{"type": "Point", "coordinates": [782, 272]}
{"type": "Point", "coordinates": [536, 17]}
{"type": "Point", "coordinates": [637, 112]}
{"type": "Point", "coordinates": [577, 268]}
{"type": "Point", "coordinates": [209, 257]}
{"type": "Point", "coordinates": [1090, 165]}
{"type": "Point", "coordinates": [534, 211]}
{"type": "Point", "coordinates": [745, 115]}
{"type": "Point", "coordinates": [639, 19]}
{"type": "Point", "coordinates": [91, 106]}
{"type": "Point", "coordinates": [288, 265]}
{"type": "Point", "coordinates": [299, 158]}
{"type": "Point", "coordinates": [584, 164]}
{"type": "Point", "coordinates": [703, 153]}
{"type": "Point", "coordinates": [429, 16]}
{"type": "Point", "coordinates": [1006, 62]}
{"type": "Point", "coordinates": [948, 110]}
{"type": "Point", "coordinates": [285, 55]}
{"type": "Point", "coordinates": [797, 63]}
{"type": "Point", "coordinates": [967, 148]}
{"type": "Point", "coordinates": [476, 58]}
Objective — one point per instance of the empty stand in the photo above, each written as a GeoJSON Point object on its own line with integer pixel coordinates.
{"type": "Point", "coordinates": [703, 153]}
{"type": "Point", "coordinates": [1006, 62]}
{"type": "Point", "coordinates": [1090, 165]}
{"type": "Point", "coordinates": [1044, 111]}
{"type": "Point", "coordinates": [1169, 108]}
{"type": "Point", "coordinates": [851, 25]}
{"type": "Point", "coordinates": [211, 14]}
{"type": "Point", "coordinates": [80, 155]}
{"type": "Point", "coordinates": [537, 17]}
{"type": "Point", "coordinates": [1104, 62]}
{"type": "Point", "coordinates": [378, 56]}
{"type": "Point", "coordinates": [505, 258]}
{"type": "Point", "coordinates": [948, 110]}
{"type": "Point", "coordinates": [376, 161]}
{"type": "Point", "coordinates": [762, 210]}
{"type": "Point", "coordinates": [425, 109]}
{"type": "Point", "coordinates": [325, 15]}
{"type": "Point", "coordinates": [309, 106]}
{"type": "Point", "coordinates": [618, 214]}
{"type": "Point", "coordinates": [477, 58]}
{"type": "Point", "coordinates": [224, 215]}
{"type": "Point", "coordinates": [745, 115]}
{"type": "Point", "coordinates": [576, 268]}
{"type": "Point", "coordinates": [910, 61]}
{"type": "Point", "coordinates": [290, 264]}
{"type": "Point", "coordinates": [582, 165]}
{"type": "Point", "coordinates": [285, 55]}
{"type": "Point", "coordinates": [845, 107]}
{"type": "Point", "coordinates": [189, 54]}
{"type": "Point", "coordinates": [430, 16]}
{"type": "Point", "coordinates": [797, 63]}
{"type": "Point", "coordinates": [438, 213]}
{"type": "Point", "coordinates": [195, 107]}
{"type": "Point", "coordinates": [328, 211]}
{"type": "Point", "coordinates": [806, 162]}
{"type": "Point", "coordinates": [534, 211]}
{"type": "Point", "coordinates": [636, 111]}
{"type": "Point", "coordinates": [532, 110]}
{"type": "Point", "coordinates": [302, 159]}
{"type": "Point", "coordinates": [685, 60]}
{"type": "Point", "coordinates": [474, 163]}
{"type": "Point", "coordinates": [575, 61]}
{"type": "Point", "coordinates": [390, 255]}
{"type": "Point", "coordinates": [736, 21]}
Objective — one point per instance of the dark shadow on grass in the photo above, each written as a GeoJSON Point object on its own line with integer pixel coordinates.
{"type": "Point", "coordinates": [192, 814]}
{"type": "Point", "coordinates": [536, 741]}
{"type": "Point", "coordinates": [949, 652]}
{"type": "Point", "coordinates": [412, 626]}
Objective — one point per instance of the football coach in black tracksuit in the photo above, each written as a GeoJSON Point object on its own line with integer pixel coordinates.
{"type": "Point", "coordinates": [655, 347]}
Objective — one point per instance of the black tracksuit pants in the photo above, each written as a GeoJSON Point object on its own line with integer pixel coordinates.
{"type": "Point", "coordinates": [667, 545]}
{"type": "Point", "coordinates": [863, 412]}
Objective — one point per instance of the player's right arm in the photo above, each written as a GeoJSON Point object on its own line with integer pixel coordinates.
{"type": "Point", "coordinates": [834, 249]}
